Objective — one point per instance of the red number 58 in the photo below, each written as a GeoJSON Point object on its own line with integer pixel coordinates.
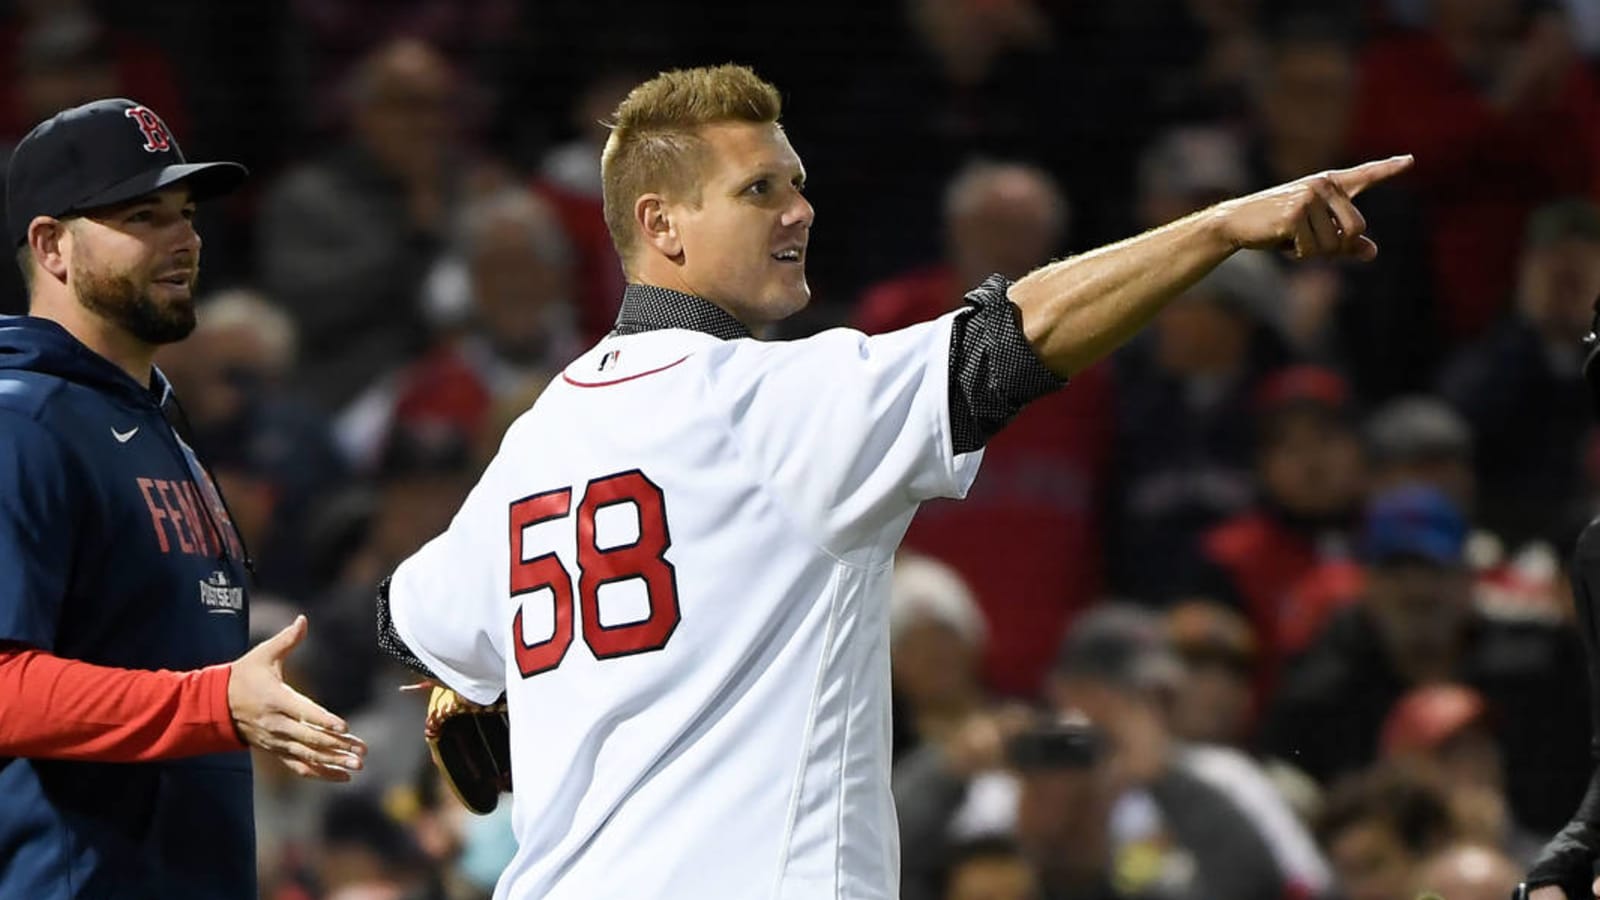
{"type": "Point", "coordinates": [643, 559]}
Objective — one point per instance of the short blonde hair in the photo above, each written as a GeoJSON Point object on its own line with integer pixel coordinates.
{"type": "Point", "coordinates": [655, 144]}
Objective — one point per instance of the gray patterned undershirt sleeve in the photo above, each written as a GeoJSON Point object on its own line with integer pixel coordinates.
{"type": "Point", "coordinates": [994, 371]}
{"type": "Point", "coordinates": [389, 639]}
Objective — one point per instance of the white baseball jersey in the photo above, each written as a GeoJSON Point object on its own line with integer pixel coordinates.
{"type": "Point", "coordinates": [677, 568]}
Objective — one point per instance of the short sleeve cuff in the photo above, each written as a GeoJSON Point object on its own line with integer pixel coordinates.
{"type": "Point", "coordinates": [994, 371]}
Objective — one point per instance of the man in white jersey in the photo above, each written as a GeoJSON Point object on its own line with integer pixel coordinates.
{"type": "Point", "coordinates": [677, 567]}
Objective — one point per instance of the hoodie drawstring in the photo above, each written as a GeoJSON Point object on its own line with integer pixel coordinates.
{"type": "Point", "coordinates": [185, 430]}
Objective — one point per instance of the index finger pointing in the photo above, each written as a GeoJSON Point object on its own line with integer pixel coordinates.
{"type": "Point", "coordinates": [1356, 179]}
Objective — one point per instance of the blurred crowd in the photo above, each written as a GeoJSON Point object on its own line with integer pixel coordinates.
{"type": "Point", "coordinates": [1288, 570]}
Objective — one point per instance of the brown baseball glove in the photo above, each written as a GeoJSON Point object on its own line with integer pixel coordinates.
{"type": "Point", "coordinates": [471, 745]}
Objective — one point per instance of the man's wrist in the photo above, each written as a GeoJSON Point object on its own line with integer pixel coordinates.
{"type": "Point", "coordinates": [215, 683]}
{"type": "Point", "coordinates": [1214, 227]}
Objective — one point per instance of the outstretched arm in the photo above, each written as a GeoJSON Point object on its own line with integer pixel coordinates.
{"type": "Point", "coordinates": [57, 708]}
{"type": "Point", "coordinates": [1077, 310]}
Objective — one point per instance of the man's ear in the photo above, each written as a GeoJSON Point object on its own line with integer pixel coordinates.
{"type": "Point", "coordinates": [48, 238]}
{"type": "Point", "coordinates": [651, 216]}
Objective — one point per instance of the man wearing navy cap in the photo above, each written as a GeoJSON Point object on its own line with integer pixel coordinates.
{"type": "Point", "coordinates": [127, 699]}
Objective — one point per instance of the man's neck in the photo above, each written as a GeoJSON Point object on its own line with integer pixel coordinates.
{"type": "Point", "coordinates": [117, 346]}
{"type": "Point", "coordinates": [672, 280]}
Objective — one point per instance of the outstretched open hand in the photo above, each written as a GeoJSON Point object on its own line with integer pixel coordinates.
{"type": "Point", "coordinates": [272, 716]}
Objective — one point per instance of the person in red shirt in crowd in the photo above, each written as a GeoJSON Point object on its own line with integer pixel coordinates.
{"type": "Point", "coordinates": [1286, 562]}
{"type": "Point", "coordinates": [569, 180]}
{"type": "Point", "coordinates": [1510, 118]}
{"type": "Point", "coordinates": [1027, 538]}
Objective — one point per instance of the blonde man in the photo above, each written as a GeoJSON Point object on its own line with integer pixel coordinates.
{"type": "Point", "coordinates": [716, 516]}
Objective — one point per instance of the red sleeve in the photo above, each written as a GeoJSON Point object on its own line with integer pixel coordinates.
{"type": "Point", "coordinates": [55, 708]}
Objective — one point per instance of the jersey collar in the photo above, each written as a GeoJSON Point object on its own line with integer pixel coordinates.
{"type": "Point", "coordinates": [646, 307]}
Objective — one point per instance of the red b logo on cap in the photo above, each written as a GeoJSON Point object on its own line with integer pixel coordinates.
{"type": "Point", "coordinates": [156, 137]}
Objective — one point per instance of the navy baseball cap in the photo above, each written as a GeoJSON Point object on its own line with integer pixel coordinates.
{"type": "Point", "coordinates": [1415, 522]}
{"type": "Point", "coordinates": [99, 154]}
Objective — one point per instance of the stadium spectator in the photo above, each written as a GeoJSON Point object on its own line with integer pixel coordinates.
{"type": "Point", "coordinates": [346, 239]}
{"type": "Point", "coordinates": [1185, 441]}
{"type": "Point", "coordinates": [1286, 562]}
{"type": "Point", "coordinates": [936, 638]}
{"type": "Point", "coordinates": [1214, 702]}
{"type": "Point", "coordinates": [1416, 623]}
{"type": "Point", "coordinates": [424, 471]}
{"type": "Point", "coordinates": [1150, 817]}
{"type": "Point", "coordinates": [1343, 315]}
{"type": "Point", "coordinates": [1418, 439]}
{"type": "Point", "coordinates": [569, 179]}
{"type": "Point", "coordinates": [60, 53]}
{"type": "Point", "coordinates": [1212, 821]}
{"type": "Point", "coordinates": [1502, 116]}
{"type": "Point", "coordinates": [331, 37]}
{"type": "Point", "coordinates": [980, 72]}
{"type": "Point", "coordinates": [990, 869]}
{"type": "Point", "coordinates": [272, 452]}
{"type": "Point", "coordinates": [1465, 870]}
{"type": "Point", "coordinates": [1003, 217]}
{"type": "Point", "coordinates": [1064, 825]}
{"type": "Point", "coordinates": [503, 301]}
{"type": "Point", "coordinates": [1446, 729]}
{"type": "Point", "coordinates": [1039, 504]}
{"type": "Point", "coordinates": [365, 854]}
{"type": "Point", "coordinates": [1521, 388]}
{"type": "Point", "coordinates": [1378, 827]}
{"type": "Point", "coordinates": [1188, 168]}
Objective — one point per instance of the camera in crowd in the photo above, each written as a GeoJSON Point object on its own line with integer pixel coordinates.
{"type": "Point", "coordinates": [1068, 741]}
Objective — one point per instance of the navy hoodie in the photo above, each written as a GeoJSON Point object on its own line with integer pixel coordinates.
{"type": "Point", "coordinates": [114, 549]}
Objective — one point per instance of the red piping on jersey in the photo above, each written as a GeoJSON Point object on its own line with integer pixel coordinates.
{"type": "Point", "coordinates": [56, 708]}
{"type": "Point", "coordinates": [592, 384]}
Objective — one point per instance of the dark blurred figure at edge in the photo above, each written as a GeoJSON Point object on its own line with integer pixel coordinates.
{"type": "Point", "coordinates": [1566, 865]}
{"type": "Point", "coordinates": [1521, 388]}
